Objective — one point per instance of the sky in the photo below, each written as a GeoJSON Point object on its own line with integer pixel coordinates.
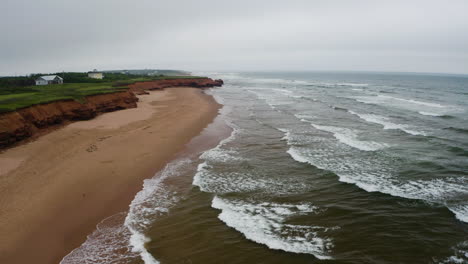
{"type": "Point", "coordinates": [242, 35]}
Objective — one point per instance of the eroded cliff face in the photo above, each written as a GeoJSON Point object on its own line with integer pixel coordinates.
{"type": "Point", "coordinates": [141, 87]}
{"type": "Point", "coordinates": [24, 123]}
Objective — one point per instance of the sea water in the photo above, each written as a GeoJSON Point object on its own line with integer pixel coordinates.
{"type": "Point", "coordinates": [317, 168]}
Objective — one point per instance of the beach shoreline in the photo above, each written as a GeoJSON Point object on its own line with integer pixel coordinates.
{"type": "Point", "coordinates": [55, 190]}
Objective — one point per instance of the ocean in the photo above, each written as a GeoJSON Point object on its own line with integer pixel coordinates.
{"type": "Point", "coordinates": [308, 167]}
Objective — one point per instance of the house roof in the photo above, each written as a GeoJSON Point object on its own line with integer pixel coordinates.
{"type": "Point", "coordinates": [49, 77]}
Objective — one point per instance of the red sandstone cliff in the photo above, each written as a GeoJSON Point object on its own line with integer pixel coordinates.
{"type": "Point", "coordinates": [23, 123]}
{"type": "Point", "coordinates": [140, 87]}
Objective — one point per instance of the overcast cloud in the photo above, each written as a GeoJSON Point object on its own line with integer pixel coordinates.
{"type": "Point", "coordinates": [393, 35]}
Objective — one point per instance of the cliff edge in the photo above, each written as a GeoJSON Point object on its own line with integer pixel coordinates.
{"type": "Point", "coordinates": [26, 122]}
{"type": "Point", "coordinates": [142, 87]}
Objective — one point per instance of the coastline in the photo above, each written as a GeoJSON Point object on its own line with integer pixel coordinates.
{"type": "Point", "coordinates": [32, 120]}
{"type": "Point", "coordinates": [56, 189]}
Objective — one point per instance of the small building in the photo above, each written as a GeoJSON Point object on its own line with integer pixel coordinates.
{"type": "Point", "coordinates": [95, 74]}
{"type": "Point", "coordinates": [49, 79]}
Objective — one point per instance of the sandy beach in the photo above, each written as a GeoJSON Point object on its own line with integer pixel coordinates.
{"type": "Point", "coordinates": [54, 190]}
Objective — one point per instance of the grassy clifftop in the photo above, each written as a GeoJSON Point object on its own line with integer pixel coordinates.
{"type": "Point", "coordinates": [15, 95]}
{"type": "Point", "coordinates": [31, 95]}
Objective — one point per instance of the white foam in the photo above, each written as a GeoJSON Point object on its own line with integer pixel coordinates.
{"type": "Point", "coordinates": [124, 241]}
{"type": "Point", "coordinates": [294, 153]}
{"type": "Point", "coordinates": [217, 153]}
{"type": "Point", "coordinates": [456, 260]}
{"type": "Point", "coordinates": [377, 176]}
{"type": "Point", "coordinates": [460, 211]}
{"type": "Point", "coordinates": [287, 135]}
{"type": "Point", "coordinates": [430, 104]}
{"type": "Point", "coordinates": [208, 179]}
{"type": "Point", "coordinates": [283, 91]}
{"type": "Point", "coordinates": [349, 137]}
{"type": "Point", "coordinates": [430, 114]}
{"type": "Point", "coordinates": [328, 84]}
{"type": "Point", "coordinates": [384, 121]}
{"type": "Point", "coordinates": [153, 200]}
{"type": "Point", "coordinates": [229, 182]}
{"type": "Point", "coordinates": [353, 84]}
{"type": "Point", "coordinates": [273, 97]}
{"type": "Point", "coordinates": [107, 244]}
{"type": "Point", "coordinates": [197, 177]}
{"type": "Point", "coordinates": [290, 93]}
{"type": "Point", "coordinates": [138, 241]}
{"type": "Point", "coordinates": [304, 118]}
{"type": "Point", "coordinates": [460, 254]}
{"type": "Point", "coordinates": [217, 98]}
{"type": "Point", "coordinates": [421, 107]}
{"type": "Point", "coordinates": [276, 81]}
{"type": "Point", "coordinates": [264, 223]}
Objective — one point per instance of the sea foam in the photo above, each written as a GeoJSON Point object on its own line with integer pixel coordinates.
{"type": "Point", "coordinates": [384, 121]}
{"type": "Point", "coordinates": [413, 101]}
{"type": "Point", "coordinates": [125, 241]}
{"type": "Point", "coordinates": [261, 222]}
{"type": "Point", "coordinates": [421, 107]}
{"type": "Point", "coordinates": [349, 137]}
{"type": "Point", "coordinates": [460, 255]}
{"type": "Point", "coordinates": [264, 223]}
{"type": "Point", "coordinates": [153, 200]}
{"type": "Point", "coordinates": [107, 244]}
{"type": "Point", "coordinates": [374, 177]}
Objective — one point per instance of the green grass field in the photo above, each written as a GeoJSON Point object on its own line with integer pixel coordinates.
{"type": "Point", "coordinates": [32, 95]}
{"type": "Point", "coordinates": [16, 97]}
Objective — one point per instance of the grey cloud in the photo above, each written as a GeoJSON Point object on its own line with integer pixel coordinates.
{"type": "Point", "coordinates": [53, 35]}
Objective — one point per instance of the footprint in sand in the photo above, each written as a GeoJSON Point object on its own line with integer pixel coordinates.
{"type": "Point", "coordinates": [92, 148]}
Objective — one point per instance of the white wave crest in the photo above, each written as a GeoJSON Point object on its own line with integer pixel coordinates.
{"type": "Point", "coordinates": [287, 134]}
{"type": "Point", "coordinates": [384, 121]}
{"type": "Point", "coordinates": [349, 137]}
{"type": "Point", "coordinates": [461, 212]}
{"type": "Point", "coordinates": [273, 81]}
{"type": "Point", "coordinates": [217, 153]}
{"type": "Point", "coordinates": [430, 114]}
{"type": "Point", "coordinates": [460, 254]}
{"type": "Point", "coordinates": [371, 177]}
{"type": "Point", "coordinates": [304, 118]}
{"type": "Point", "coordinates": [153, 200]}
{"type": "Point", "coordinates": [107, 244]}
{"type": "Point", "coordinates": [264, 223]}
{"type": "Point", "coordinates": [430, 104]}
{"type": "Point", "coordinates": [421, 107]}
{"type": "Point", "coordinates": [353, 84]}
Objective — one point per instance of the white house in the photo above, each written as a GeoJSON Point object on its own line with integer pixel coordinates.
{"type": "Point", "coordinates": [49, 79]}
{"type": "Point", "coordinates": [95, 74]}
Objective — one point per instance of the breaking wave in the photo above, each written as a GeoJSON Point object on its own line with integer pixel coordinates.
{"type": "Point", "coordinates": [374, 177]}
{"type": "Point", "coordinates": [350, 138]}
{"type": "Point", "coordinates": [384, 121]}
{"type": "Point", "coordinates": [153, 200]}
{"type": "Point", "coordinates": [264, 223]}
{"type": "Point", "coordinates": [430, 104]}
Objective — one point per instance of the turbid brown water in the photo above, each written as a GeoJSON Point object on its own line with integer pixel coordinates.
{"type": "Point", "coordinates": [319, 168]}
{"type": "Point", "coordinates": [325, 169]}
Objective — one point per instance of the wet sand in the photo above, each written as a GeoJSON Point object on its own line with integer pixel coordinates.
{"type": "Point", "coordinates": [53, 191]}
